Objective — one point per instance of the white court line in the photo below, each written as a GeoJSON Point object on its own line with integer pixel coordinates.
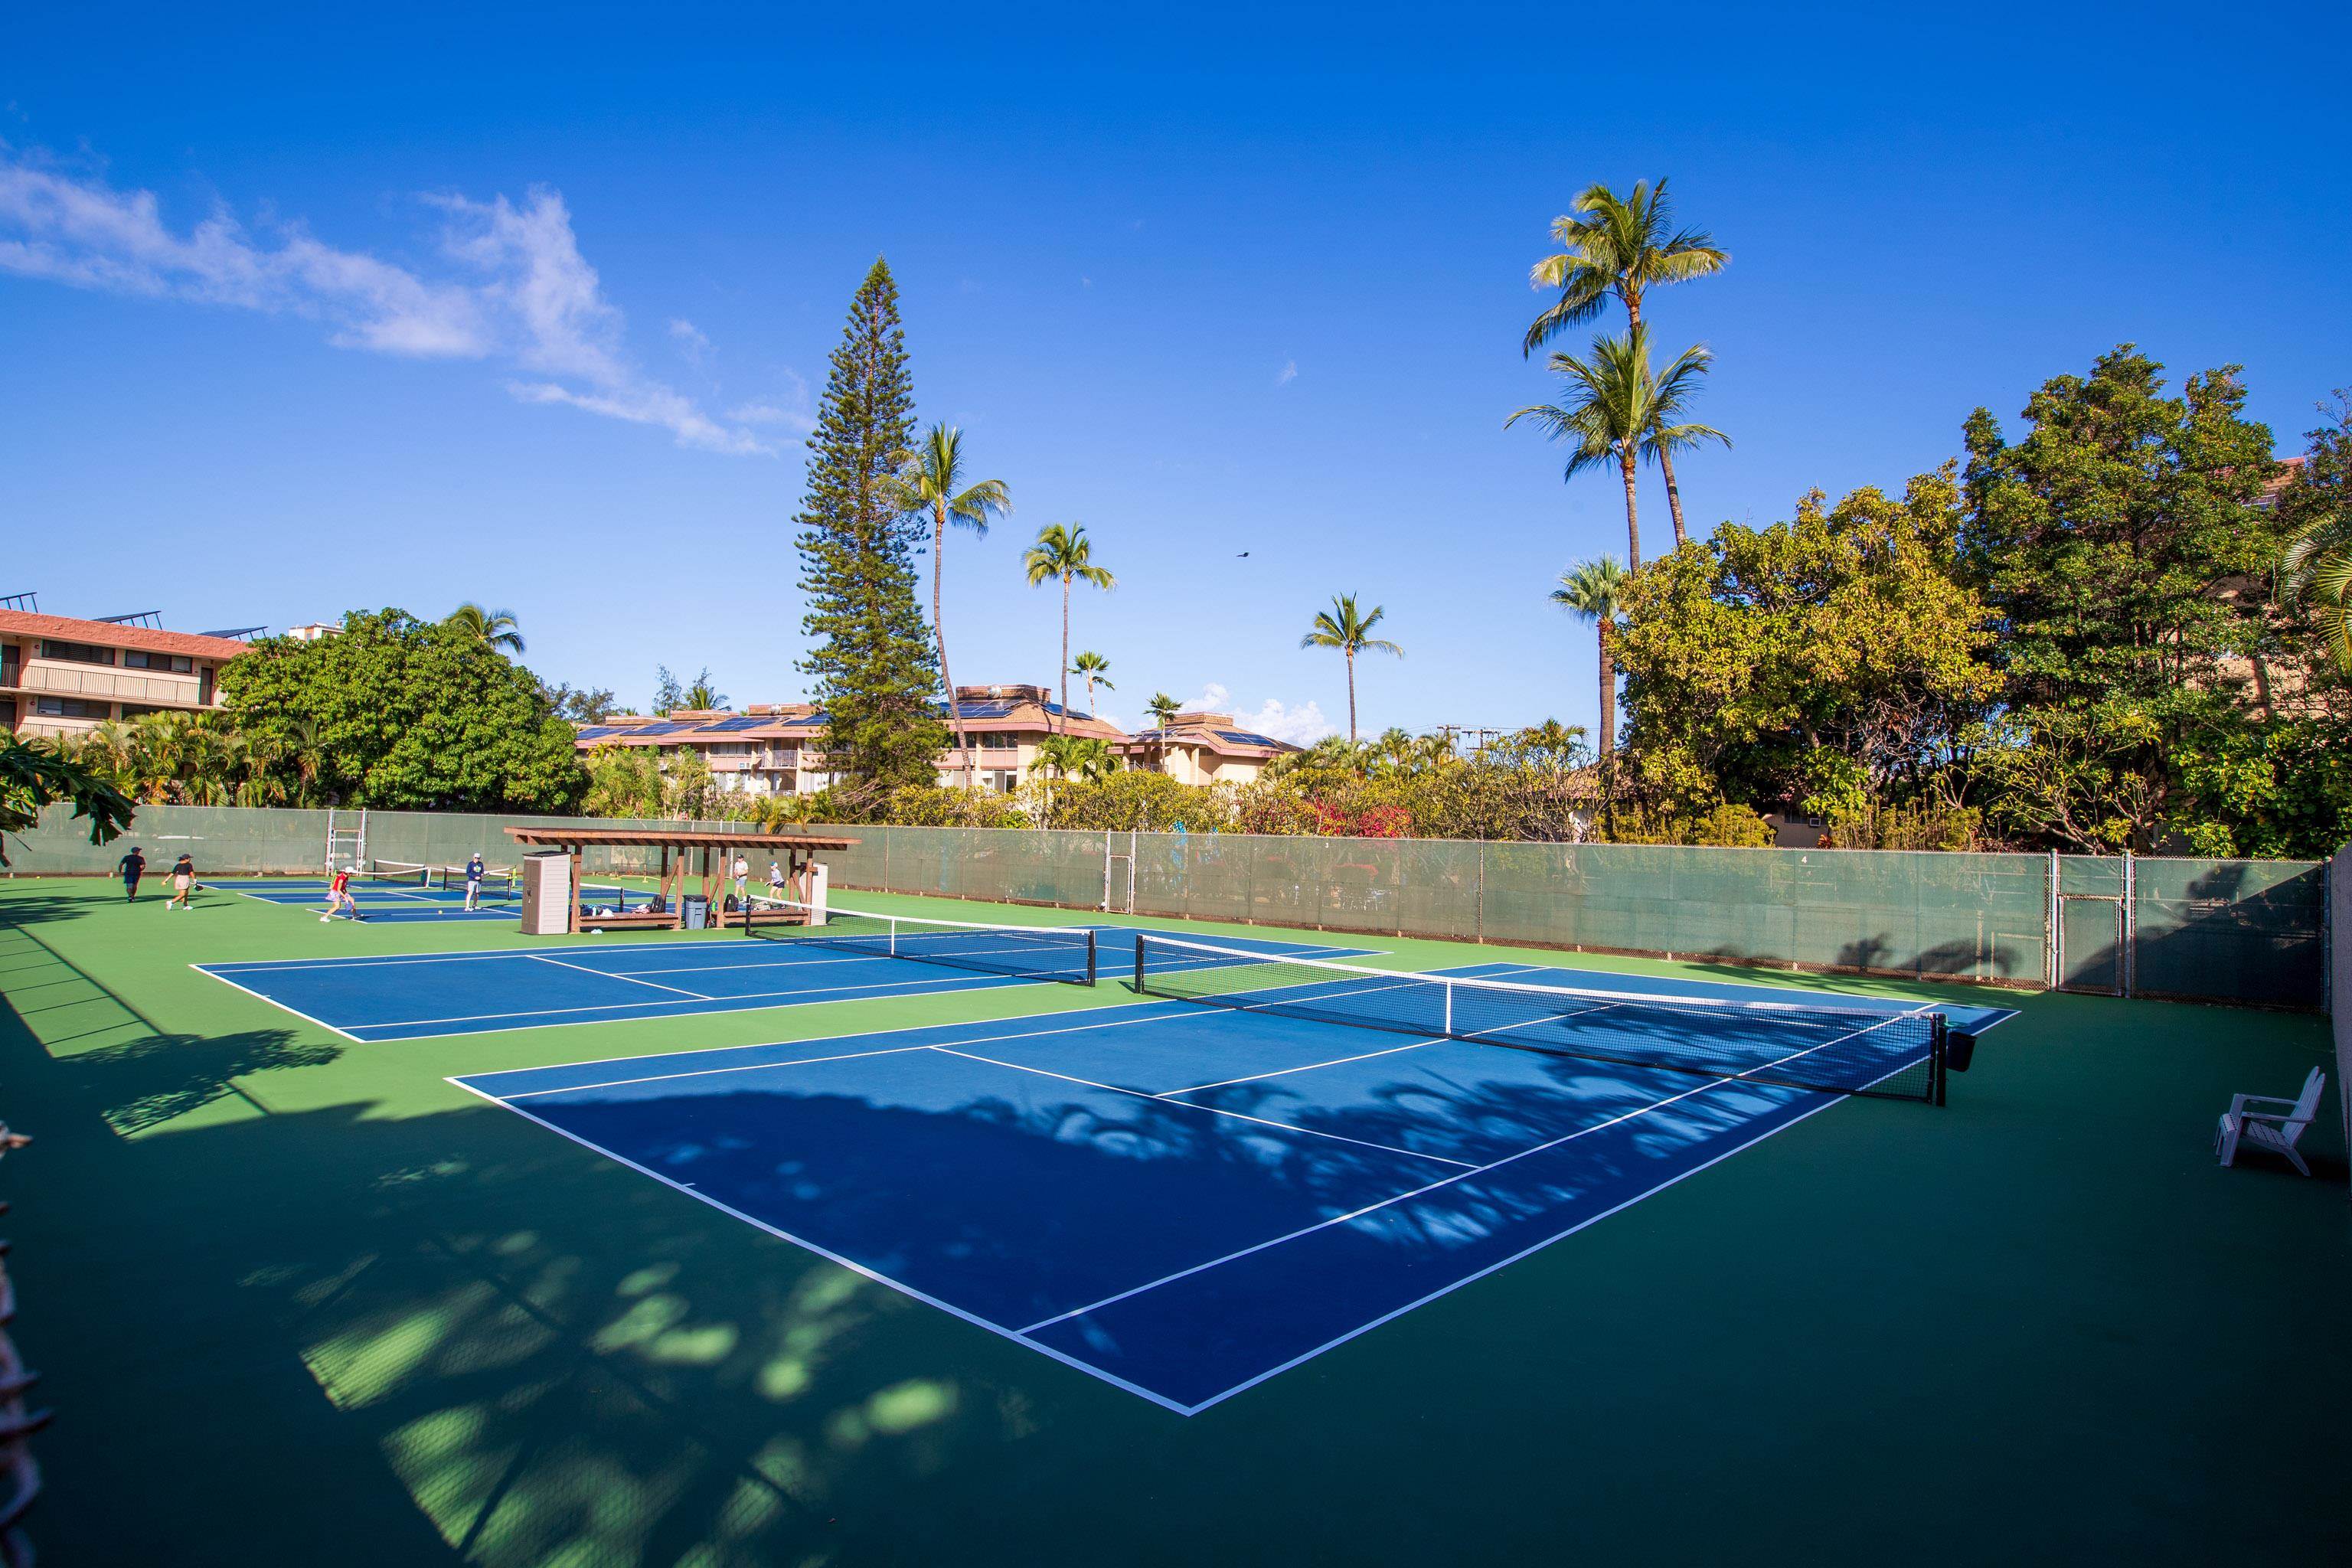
{"type": "Point", "coordinates": [700, 1072]}
{"type": "Point", "coordinates": [280, 1006]}
{"type": "Point", "coordinates": [894, 987]}
{"type": "Point", "coordinates": [1447, 1181]}
{"type": "Point", "coordinates": [1211, 1109]}
{"type": "Point", "coordinates": [631, 979]}
{"type": "Point", "coordinates": [832, 1257]}
{"type": "Point", "coordinates": [1310, 1066]}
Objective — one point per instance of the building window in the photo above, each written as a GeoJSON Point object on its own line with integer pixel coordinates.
{"type": "Point", "coordinates": [75, 652]}
{"type": "Point", "coordinates": [66, 708]}
{"type": "Point", "coordinates": [134, 710]}
{"type": "Point", "coordinates": [177, 663]}
{"type": "Point", "coordinates": [997, 741]}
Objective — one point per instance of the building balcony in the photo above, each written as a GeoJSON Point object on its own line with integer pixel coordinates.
{"type": "Point", "coordinates": [97, 684]}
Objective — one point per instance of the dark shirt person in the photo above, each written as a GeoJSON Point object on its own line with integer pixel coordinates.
{"type": "Point", "coordinates": [132, 866]}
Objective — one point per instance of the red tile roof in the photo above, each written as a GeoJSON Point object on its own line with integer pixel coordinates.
{"type": "Point", "coordinates": [111, 634]}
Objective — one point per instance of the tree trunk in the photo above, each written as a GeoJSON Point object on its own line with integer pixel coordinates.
{"type": "Point", "coordinates": [1607, 733]}
{"type": "Point", "coordinates": [939, 628]}
{"type": "Point", "coordinates": [1674, 496]}
{"type": "Point", "coordinates": [1351, 697]}
{"type": "Point", "coordinates": [1633, 519]}
{"type": "Point", "coordinates": [1066, 653]}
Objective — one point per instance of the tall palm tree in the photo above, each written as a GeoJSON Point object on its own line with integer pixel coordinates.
{"type": "Point", "coordinates": [1619, 410]}
{"type": "Point", "coordinates": [1064, 554]}
{"type": "Point", "coordinates": [1595, 591]}
{"type": "Point", "coordinates": [931, 483]}
{"type": "Point", "coordinates": [1619, 245]}
{"type": "Point", "coordinates": [1341, 626]}
{"type": "Point", "coordinates": [497, 630]}
{"type": "Point", "coordinates": [1094, 670]}
{"type": "Point", "coordinates": [703, 697]}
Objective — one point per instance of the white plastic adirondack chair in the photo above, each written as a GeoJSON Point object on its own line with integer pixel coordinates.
{"type": "Point", "coordinates": [2277, 1131]}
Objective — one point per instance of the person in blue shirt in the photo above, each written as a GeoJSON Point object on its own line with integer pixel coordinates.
{"type": "Point", "coordinates": [473, 880]}
{"type": "Point", "coordinates": [132, 866]}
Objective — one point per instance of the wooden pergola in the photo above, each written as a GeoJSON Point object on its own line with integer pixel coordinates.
{"type": "Point", "coordinates": [799, 854]}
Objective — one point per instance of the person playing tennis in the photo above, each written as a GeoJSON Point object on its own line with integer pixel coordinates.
{"type": "Point", "coordinates": [742, 881]}
{"type": "Point", "coordinates": [775, 880]}
{"type": "Point", "coordinates": [132, 866]}
{"type": "Point", "coordinates": [184, 883]}
{"type": "Point", "coordinates": [338, 897]}
{"type": "Point", "coordinates": [473, 880]}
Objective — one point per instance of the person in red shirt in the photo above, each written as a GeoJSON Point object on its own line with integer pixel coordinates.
{"type": "Point", "coordinates": [338, 897]}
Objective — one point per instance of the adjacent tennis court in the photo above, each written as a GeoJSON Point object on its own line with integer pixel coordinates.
{"type": "Point", "coordinates": [408, 996]}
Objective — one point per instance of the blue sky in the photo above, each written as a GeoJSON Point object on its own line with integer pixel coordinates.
{"type": "Point", "coordinates": [414, 306]}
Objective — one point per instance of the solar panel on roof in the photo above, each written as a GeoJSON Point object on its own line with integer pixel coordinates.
{"type": "Point", "coordinates": [663, 729]}
{"type": "Point", "coordinates": [596, 731]}
{"type": "Point", "coordinates": [989, 710]}
{"type": "Point", "coordinates": [1244, 738]}
{"type": "Point", "coordinates": [744, 723]}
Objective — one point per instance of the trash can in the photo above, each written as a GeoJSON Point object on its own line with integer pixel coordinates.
{"type": "Point", "coordinates": [697, 911]}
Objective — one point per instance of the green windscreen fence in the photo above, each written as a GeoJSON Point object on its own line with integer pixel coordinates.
{"type": "Point", "coordinates": [2225, 931]}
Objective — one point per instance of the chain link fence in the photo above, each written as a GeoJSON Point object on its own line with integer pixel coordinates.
{"type": "Point", "coordinates": [2253, 933]}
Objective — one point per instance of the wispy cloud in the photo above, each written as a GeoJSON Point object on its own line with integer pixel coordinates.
{"type": "Point", "coordinates": [1287, 374]}
{"type": "Point", "coordinates": [792, 409]}
{"type": "Point", "coordinates": [517, 289]}
{"type": "Point", "coordinates": [691, 340]}
{"type": "Point", "coordinates": [1302, 724]}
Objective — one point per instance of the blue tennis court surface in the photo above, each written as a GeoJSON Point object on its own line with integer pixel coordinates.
{"type": "Point", "coordinates": [1181, 1200]}
{"type": "Point", "coordinates": [414, 995]}
{"type": "Point", "coordinates": [397, 904]}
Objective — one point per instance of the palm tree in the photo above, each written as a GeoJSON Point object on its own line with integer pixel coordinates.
{"type": "Point", "coordinates": [1094, 670]}
{"type": "Point", "coordinates": [2318, 563]}
{"type": "Point", "coordinates": [933, 482]}
{"type": "Point", "coordinates": [1086, 758]}
{"type": "Point", "coordinates": [1595, 591]}
{"type": "Point", "coordinates": [1162, 709]}
{"type": "Point", "coordinates": [1342, 627]}
{"type": "Point", "coordinates": [497, 630]}
{"type": "Point", "coordinates": [1064, 554]}
{"type": "Point", "coordinates": [1619, 245]}
{"type": "Point", "coordinates": [1619, 410]}
{"type": "Point", "coordinates": [702, 697]}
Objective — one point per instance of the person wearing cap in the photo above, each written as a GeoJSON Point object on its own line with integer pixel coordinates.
{"type": "Point", "coordinates": [184, 883]}
{"type": "Point", "coordinates": [473, 880]}
{"type": "Point", "coordinates": [132, 866]}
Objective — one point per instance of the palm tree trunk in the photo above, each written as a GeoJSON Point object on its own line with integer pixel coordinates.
{"type": "Point", "coordinates": [1632, 520]}
{"type": "Point", "coordinates": [939, 629]}
{"type": "Point", "coordinates": [1673, 495]}
{"type": "Point", "coordinates": [1607, 733]}
{"type": "Point", "coordinates": [1066, 653]}
{"type": "Point", "coordinates": [1351, 697]}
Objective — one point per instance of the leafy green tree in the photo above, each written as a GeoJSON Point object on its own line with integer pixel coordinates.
{"type": "Point", "coordinates": [703, 697]}
{"type": "Point", "coordinates": [624, 781]}
{"type": "Point", "coordinates": [578, 705]}
{"type": "Point", "coordinates": [1836, 648]}
{"type": "Point", "coordinates": [399, 714]}
{"type": "Point", "coordinates": [1094, 670]}
{"type": "Point", "coordinates": [872, 663]}
{"type": "Point", "coordinates": [2119, 544]}
{"type": "Point", "coordinates": [1344, 627]}
{"type": "Point", "coordinates": [1618, 410]}
{"type": "Point", "coordinates": [1064, 555]}
{"type": "Point", "coordinates": [497, 630]}
{"type": "Point", "coordinates": [1621, 246]}
{"type": "Point", "coordinates": [38, 773]}
{"type": "Point", "coordinates": [1595, 591]}
{"type": "Point", "coordinates": [932, 486]}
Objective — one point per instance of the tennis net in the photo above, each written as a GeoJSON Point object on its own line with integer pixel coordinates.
{"type": "Point", "coordinates": [452, 878]}
{"type": "Point", "coordinates": [1065, 953]}
{"type": "Point", "coordinates": [1896, 1054]}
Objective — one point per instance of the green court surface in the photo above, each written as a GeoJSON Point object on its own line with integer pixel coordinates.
{"type": "Point", "coordinates": [298, 1299]}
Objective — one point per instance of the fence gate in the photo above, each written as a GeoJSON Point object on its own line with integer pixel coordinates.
{"type": "Point", "coordinates": [1118, 899]}
{"type": "Point", "coordinates": [2090, 923]}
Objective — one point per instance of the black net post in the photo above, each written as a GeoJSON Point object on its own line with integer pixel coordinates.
{"type": "Point", "coordinates": [1938, 1039]}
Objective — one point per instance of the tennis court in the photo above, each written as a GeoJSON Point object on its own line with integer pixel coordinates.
{"type": "Point", "coordinates": [852, 1257]}
{"type": "Point", "coordinates": [412, 995]}
{"type": "Point", "coordinates": [394, 892]}
{"type": "Point", "coordinates": [1185, 1200]}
